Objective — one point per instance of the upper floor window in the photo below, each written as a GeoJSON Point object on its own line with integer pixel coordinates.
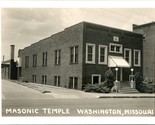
{"type": "Point", "coordinates": [74, 54]}
{"type": "Point", "coordinates": [90, 53]}
{"type": "Point", "coordinates": [116, 48]}
{"type": "Point", "coordinates": [34, 60]}
{"type": "Point", "coordinates": [26, 61]}
{"type": "Point", "coordinates": [127, 55]}
{"type": "Point", "coordinates": [102, 54]}
{"type": "Point", "coordinates": [137, 55]}
{"type": "Point", "coordinates": [45, 59]}
{"type": "Point", "coordinates": [57, 56]}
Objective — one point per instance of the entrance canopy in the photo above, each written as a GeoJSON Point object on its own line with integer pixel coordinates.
{"type": "Point", "coordinates": [117, 61]}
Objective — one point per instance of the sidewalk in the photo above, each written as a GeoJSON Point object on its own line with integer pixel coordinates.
{"type": "Point", "coordinates": [60, 92]}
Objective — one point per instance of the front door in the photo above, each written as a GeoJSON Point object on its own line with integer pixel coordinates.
{"type": "Point", "coordinates": [96, 78]}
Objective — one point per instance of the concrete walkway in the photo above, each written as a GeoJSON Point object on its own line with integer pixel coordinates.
{"type": "Point", "coordinates": [60, 92]}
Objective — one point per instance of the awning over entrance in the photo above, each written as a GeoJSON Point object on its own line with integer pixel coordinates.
{"type": "Point", "coordinates": [117, 61]}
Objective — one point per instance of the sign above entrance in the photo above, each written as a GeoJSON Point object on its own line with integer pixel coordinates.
{"type": "Point", "coordinates": [117, 61]}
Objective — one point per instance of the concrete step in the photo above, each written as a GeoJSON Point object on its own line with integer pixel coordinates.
{"type": "Point", "coordinates": [128, 90]}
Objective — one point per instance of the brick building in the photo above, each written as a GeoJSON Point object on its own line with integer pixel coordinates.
{"type": "Point", "coordinates": [148, 31]}
{"type": "Point", "coordinates": [81, 54]}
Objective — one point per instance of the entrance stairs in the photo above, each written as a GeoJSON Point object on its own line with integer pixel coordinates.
{"type": "Point", "coordinates": [126, 89]}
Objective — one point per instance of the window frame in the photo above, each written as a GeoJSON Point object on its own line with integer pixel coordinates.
{"type": "Point", "coordinates": [105, 54]}
{"type": "Point", "coordinates": [115, 45]}
{"type": "Point", "coordinates": [57, 81]}
{"type": "Point", "coordinates": [34, 78]}
{"type": "Point", "coordinates": [26, 61]}
{"type": "Point", "coordinates": [44, 79]}
{"type": "Point", "coordinates": [34, 60]}
{"type": "Point", "coordinates": [74, 55]}
{"type": "Point", "coordinates": [99, 75]}
{"type": "Point", "coordinates": [93, 53]}
{"type": "Point", "coordinates": [44, 63]}
{"type": "Point", "coordinates": [72, 81]}
{"type": "Point", "coordinates": [130, 55]}
{"type": "Point", "coordinates": [58, 57]}
{"type": "Point", "coordinates": [139, 57]}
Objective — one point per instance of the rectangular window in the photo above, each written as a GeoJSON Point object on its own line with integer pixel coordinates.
{"type": "Point", "coordinates": [34, 60]}
{"type": "Point", "coordinates": [96, 78]}
{"type": "Point", "coordinates": [45, 59]}
{"type": "Point", "coordinates": [57, 57]}
{"type": "Point", "coordinates": [102, 54]}
{"type": "Point", "coordinates": [73, 82]}
{"type": "Point", "coordinates": [115, 48]}
{"type": "Point", "coordinates": [26, 61]}
{"type": "Point", "coordinates": [90, 53]}
{"type": "Point", "coordinates": [34, 78]}
{"type": "Point", "coordinates": [127, 55]}
{"type": "Point", "coordinates": [44, 79]}
{"type": "Point", "coordinates": [57, 80]}
{"type": "Point", "coordinates": [137, 58]}
{"type": "Point", "coordinates": [74, 54]}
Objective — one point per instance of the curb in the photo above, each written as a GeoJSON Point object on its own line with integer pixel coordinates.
{"type": "Point", "coordinates": [126, 97]}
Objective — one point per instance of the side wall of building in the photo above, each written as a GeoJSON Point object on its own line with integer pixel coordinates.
{"type": "Point", "coordinates": [62, 41]}
{"type": "Point", "coordinates": [148, 48]}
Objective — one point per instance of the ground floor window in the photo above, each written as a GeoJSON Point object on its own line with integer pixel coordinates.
{"type": "Point", "coordinates": [73, 82]}
{"type": "Point", "coordinates": [44, 79]}
{"type": "Point", "coordinates": [57, 80]}
{"type": "Point", "coordinates": [96, 78]}
{"type": "Point", "coordinates": [34, 78]}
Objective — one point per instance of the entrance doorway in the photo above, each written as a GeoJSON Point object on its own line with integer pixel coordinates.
{"type": "Point", "coordinates": [96, 78]}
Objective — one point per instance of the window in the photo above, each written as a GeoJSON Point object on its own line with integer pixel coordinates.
{"type": "Point", "coordinates": [44, 79]}
{"type": "Point", "coordinates": [127, 55]}
{"type": "Point", "coordinates": [57, 56]}
{"type": "Point", "coordinates": [102, 54]}
{"type": "Point", "coordinates": [96, 78]}
{"type": "Point", "coordinates": [73, 82]}
{"type": "Point", "coordinates": [137, 56]}
{"type": "Point", "coordinates": [34, 78]}
{"type": "Point", "coordinates": [45, 59]}
{"type": "Point", "coordinates": [57, 80]}
{"type": "Point", "coordinates": [116, 38]}
{"type": "Point", "coordinates": [74, 54]}
{"type": "Point", "coordinates": [116, 48]}
{"type": "Point", "coordinates": [26, 61]}
{"type": "Point", "coordinates": [90, 53]}
{"type": "Point", "coordinates": [34, 60]}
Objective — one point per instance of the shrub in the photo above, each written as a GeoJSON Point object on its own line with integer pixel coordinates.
{"type": "Point", "coordinates": [141, 86]}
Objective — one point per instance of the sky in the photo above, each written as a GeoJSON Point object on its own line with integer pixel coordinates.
{"type": "Point", "coordinates": [23, 26]}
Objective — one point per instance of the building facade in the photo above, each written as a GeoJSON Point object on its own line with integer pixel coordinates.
{"type": "Point", "coordinates": [148, 31]}
{"type": "Point", "coordinates": [82, 54]}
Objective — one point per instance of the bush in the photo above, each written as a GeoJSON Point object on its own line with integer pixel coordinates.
{"type": "Point", "coordinates": [143, 87]}
{"type": "Point", "coordinates": [104, 87]}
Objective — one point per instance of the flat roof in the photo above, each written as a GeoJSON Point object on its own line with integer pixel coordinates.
{"type": "Point", "coordinates": [143, 25]}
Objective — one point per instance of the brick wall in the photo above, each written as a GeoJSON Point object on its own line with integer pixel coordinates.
{"type": "Point", "coordinates": [71, 36]}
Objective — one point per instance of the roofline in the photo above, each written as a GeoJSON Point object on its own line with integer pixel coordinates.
{"type": "Point", "coordinates": [143, 25]}
{"type": "Point", "coordinates": [128, 31]}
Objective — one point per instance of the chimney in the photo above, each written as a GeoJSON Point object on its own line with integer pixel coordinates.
{"type": "Point", "coordinates": [12, 68]}
{"type": "Point", "coordinates": [12, 52]}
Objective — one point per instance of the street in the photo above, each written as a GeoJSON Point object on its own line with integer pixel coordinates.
{"type": "Point", "coordinates": [18, 100]}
